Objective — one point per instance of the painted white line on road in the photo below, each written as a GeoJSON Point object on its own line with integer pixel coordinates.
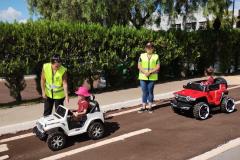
{"type": "Point", "coordinates": [125, 112]}
{"type": "Point", "coordinates": [237, 102]}
{"type": "Point", "coordinates": [121, 113]}
{"type": "Point", "coordinates": [98, 144]}
{"type": "Point", "coordinates": [231, 144]}
{"type": "Point", "coordinates": [133, 102]}
{"type": "Point", "coordinates": [4, 157]}
{"type": "Point", "coordinates": [16, 137]}
{"type": "Point", "coordinates": [3, 148]}
{"type": "Point", "coordinates": [234, 87]}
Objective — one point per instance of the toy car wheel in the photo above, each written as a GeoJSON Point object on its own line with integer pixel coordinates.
{"type": "Point", "coordinates": [56, 141]}
{"type": "Point", "coordinates": [201, 111]}
{"type": "Point", "coordinates": [96, 130]}
{"type": "Point", "coordinates": [176, 110]}
{"type": "Point", "coordinates": [227, 105]}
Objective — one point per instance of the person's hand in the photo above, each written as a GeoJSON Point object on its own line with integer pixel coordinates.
{"type": "Point", "coordinates": [75, 114]}
{"type": "Point", "coordinates": [147, 74]}
{"type": "Point", "coordinates": [44, 95]}
{"type": "Point", "coordinates": [67, 100]}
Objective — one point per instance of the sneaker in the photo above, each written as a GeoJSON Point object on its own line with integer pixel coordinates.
{"type": "Point", "coordinates": [150, 110]}
{"type": "Point", "coordinates": [141, 110]}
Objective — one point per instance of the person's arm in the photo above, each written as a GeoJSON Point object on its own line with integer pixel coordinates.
{"type": "Point", "coordinates": [43, 84]}
{"type": "Point", "coordinates": [141, 69]}
{"type": "Point", "coordinates": [157, 68]}
{"type": "Point", "coordinates": [80, 113]}
{"type": "Point", "coordinates": [65, 87]}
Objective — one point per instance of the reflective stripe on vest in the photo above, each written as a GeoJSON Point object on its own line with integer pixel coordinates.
{"type": "Point", "coordinates": [148, 64]}
{"type": "Point", "coordinates": [54, 85]}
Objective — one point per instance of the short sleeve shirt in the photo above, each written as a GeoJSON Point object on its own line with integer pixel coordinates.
{"type": "Point", "coordinates": [82, 105]}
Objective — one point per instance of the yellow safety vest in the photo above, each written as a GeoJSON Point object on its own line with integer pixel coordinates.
{"type": "Point", "coordinates": [148, 64]}
{"type": "Point", "coordinates": [54, 85]}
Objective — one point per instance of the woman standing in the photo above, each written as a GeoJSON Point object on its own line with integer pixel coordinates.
{"type": "Point", "coordinates": [148, 65]}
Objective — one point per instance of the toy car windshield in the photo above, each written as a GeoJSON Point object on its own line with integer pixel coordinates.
{"type": "Point", "coordinates": [195, 86]}
{"type": "Point", "coordinates": [61, 111]}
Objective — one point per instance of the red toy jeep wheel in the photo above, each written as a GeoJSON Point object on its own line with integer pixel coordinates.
{"type": "Point", "coordinates": [227, 105]}
{"type": "Point", "coordinates": [201, 111]}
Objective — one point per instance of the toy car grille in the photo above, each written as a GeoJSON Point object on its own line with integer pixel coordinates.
{"type": "Point", "coordinates": [182, 98]}
{"type": "Point", "coordinates": [39, 126]}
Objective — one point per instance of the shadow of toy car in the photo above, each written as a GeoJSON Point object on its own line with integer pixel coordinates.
{"type": "Point", "coordinates": [56, 127]}
{"type": "Point", "coordinates": [200, 99]}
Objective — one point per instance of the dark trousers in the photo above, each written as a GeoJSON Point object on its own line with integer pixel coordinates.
{"type": "Point", "coordinates": [48, 105]}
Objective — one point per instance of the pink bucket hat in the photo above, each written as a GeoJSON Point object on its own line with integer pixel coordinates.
{"type": "Point", "coordinates": [83, 91]}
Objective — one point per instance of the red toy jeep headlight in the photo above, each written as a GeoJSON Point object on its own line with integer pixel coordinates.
{"type": "Point", "coordinates": [176, 95]}
{"type": "Point", "coordinates": [188, 98]}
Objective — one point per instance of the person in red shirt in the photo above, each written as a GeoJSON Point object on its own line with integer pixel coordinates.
{"type": "Point", "coordinates": [83, 104]}
{"type": "Point", "coordinates": [209, 74]}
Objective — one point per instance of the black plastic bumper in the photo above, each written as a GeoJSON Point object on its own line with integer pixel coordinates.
{"type": "Point", "coordinates": [39, 134]}
{"type": "Point", "coordinates": [181, 105]}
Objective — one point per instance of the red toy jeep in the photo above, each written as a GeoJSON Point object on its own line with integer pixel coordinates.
{"type": "Point", "coordinates": [200, 99]}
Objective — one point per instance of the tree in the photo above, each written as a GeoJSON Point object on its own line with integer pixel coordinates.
{"type": "Point", "coordinates": [218, 8]}
{"type": "Point", "coordinates": [105, 12]}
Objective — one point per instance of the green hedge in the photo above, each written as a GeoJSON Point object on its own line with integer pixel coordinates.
{"type": "Point", "coordinates": [86, 49]}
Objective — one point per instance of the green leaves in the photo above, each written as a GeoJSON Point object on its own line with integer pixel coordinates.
{"type": "Point", "coordinates": [86, 49]}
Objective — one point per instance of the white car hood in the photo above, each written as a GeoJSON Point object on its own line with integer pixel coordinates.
{"type": "Point", "coordinates": [51, 119]}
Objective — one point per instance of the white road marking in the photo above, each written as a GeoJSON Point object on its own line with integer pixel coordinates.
{"type": "Point", "coordinates": [4, 157]}
{"type": "Point", "coordinates": [231, 144]}
{"type": "Point", "coordinates": [16, 137]}
{"type": "Point", "coordinates": [234, 87]}
{"type": "Point", "coordinates": [3, 148]}
{"type": "Point", "coordinates": [237, 102]}
{"type": "Point", "coordinates": [125, 112]}
{"type": "Point", "coordinates": [98, 144]}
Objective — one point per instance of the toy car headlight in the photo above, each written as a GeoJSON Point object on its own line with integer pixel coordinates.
{"type": "Point", "coordinates": [176, 95]}
{"type": "Point", "coordinates": [188, 98]}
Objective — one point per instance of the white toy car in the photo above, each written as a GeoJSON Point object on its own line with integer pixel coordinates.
{"type": "Point", "coordinates": [56, 127]}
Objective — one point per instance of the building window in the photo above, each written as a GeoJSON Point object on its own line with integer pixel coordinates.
{"type": "Point", "coordinates": [191, 26]}
{"type": "Point", "coordinates": [176, 26]}
{"type": "Point", "coordinates": [202, 25]}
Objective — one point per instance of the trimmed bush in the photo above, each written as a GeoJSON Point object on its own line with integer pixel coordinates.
{"type": "Point", "coordinates": [89, 48]}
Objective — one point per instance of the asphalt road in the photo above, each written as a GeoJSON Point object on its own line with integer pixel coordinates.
{"type": "Point", "coordinates": [172, 137]}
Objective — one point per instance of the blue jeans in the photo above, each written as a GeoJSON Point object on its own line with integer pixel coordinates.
{"type": "Point", "coordinates": [147, 90]}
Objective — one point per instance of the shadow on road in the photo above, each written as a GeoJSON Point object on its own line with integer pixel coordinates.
{"type": "Point", "coordinates": [110, 128]}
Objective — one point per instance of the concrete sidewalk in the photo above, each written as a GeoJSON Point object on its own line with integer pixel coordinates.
{"type": "Point", "coordinates": [25, 114]}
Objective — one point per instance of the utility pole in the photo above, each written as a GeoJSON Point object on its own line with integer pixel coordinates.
{"type": "Point", "coordinates": [233, 13]}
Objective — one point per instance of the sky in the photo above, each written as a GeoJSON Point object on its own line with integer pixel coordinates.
{"type": "Point", "coordinates": [11, 10]}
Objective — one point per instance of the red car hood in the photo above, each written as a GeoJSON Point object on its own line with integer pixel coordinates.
{"type": "Point", "coordinates": [191, 93]}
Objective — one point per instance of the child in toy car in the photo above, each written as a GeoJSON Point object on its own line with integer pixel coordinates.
{"type": "Point", "coordinates": [83, 104]}
{"type": "Point", "coordinates": [209, 74]}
